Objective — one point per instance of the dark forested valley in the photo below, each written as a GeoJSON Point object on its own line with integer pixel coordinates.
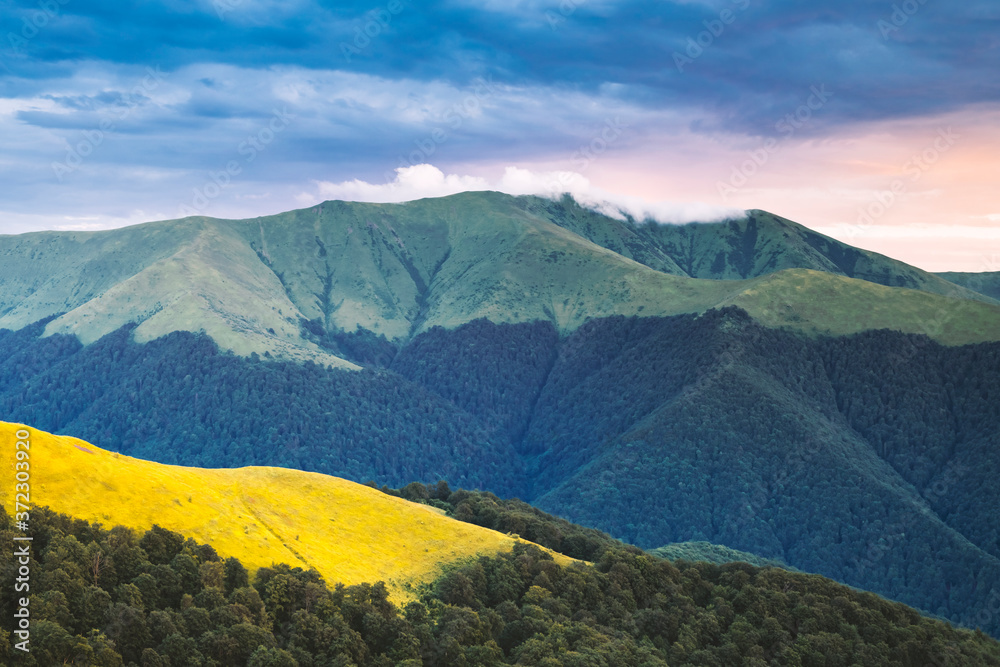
{"type": "Point", "coordinates": [861, 458]}
{"type": "Point", "coordinates": [107, 596]}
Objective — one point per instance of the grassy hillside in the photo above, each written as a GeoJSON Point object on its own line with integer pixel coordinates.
{"type": "Point", "coordinates": [398, 269]}
{"type": "Point", "coordinates": [986, 283]}
{"type": "Point", "coordinates": [815, 302]}
{"type": "Point", "coordinates": [182, 275]}
{"type": "Point", "coordinates": [345, 531]}
{"type": "Point", "coordinates": [292, 285]}
{"type": "Point", "coordinates": [755, 245]}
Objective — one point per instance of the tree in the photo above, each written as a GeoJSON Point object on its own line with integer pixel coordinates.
{"type": "Point", "coordinates": [236, 576]}
{"type": "Point", "coordinates": [161, 545]}
{"type": "Point", "coordinates": [271, 657]}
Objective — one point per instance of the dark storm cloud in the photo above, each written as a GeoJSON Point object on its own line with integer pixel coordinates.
{"type": "Point", "coordinates": [372, 85]}
{"type": "Point", "coordinates": [744, 62]}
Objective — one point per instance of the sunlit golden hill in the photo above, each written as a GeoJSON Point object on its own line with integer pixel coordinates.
{"type": "Point", "coordinates": [348, 532]}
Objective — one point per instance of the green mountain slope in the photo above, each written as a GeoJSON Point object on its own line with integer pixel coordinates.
{"type": "Point", "coordinates": [816, 302]}
{"type": "Point", "coordinates": [987, 283]}
{"type": "Point", "coordinates": [398, 269]}
{"type": "Point", "coordinates": [759, 244]}
{"type": "Point", "coordinates": [291, 285]}
{"type": "Point", "coordinates": [664, 433]}
{"type": "Point", "coordinates": [481, 340]}
{"type": "Point", "coordinates": [185, 275]}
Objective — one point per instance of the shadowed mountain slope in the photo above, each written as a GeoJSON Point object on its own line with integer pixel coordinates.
{"type": "Point", "coordinates": [869, 458]}
{"type": "Point", "coordinates": [987, 283]}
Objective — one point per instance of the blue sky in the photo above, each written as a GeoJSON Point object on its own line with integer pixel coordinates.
{"type": "Point", "coordinates": [112, 113]}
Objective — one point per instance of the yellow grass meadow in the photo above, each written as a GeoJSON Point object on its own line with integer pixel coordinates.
{"type": "Point", "coordinates": [348, 532]}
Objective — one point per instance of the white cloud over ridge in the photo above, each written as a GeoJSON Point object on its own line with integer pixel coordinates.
{"type": "Point", "coordinates": [426, 180]}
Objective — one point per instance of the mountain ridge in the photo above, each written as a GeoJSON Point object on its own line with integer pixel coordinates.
{"type": "Point", "coordinates": [288, 285]}
{"type": "Point", "coordinates": [986, 282]}
{"type": "Point", "coordinates": [749, 247]}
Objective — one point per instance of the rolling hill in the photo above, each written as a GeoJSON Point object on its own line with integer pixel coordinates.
{"type": "Point", "coordinates": [347, 532]}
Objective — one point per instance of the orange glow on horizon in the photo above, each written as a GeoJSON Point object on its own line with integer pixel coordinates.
{"type": "Point", "coordinates": [945, 171]}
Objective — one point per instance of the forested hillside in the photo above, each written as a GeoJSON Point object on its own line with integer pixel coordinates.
{"type": "Point", "coordinates": [870, 458]}
{"type": "Point", "coordinates": [107, 596]}
{"type": "Point", "coordinates": [180, 400]}
{"type": "Point", "coordinates": [712, 553]}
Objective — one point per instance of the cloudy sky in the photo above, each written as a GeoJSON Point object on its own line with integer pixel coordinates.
{"type": "Point", "coordinates": [877, 123]}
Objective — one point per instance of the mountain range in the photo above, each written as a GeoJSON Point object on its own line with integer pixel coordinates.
{"type": "Point", "coordinates": [397, 270]}
{"type": "Point", "coordinates": [748, 383]}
